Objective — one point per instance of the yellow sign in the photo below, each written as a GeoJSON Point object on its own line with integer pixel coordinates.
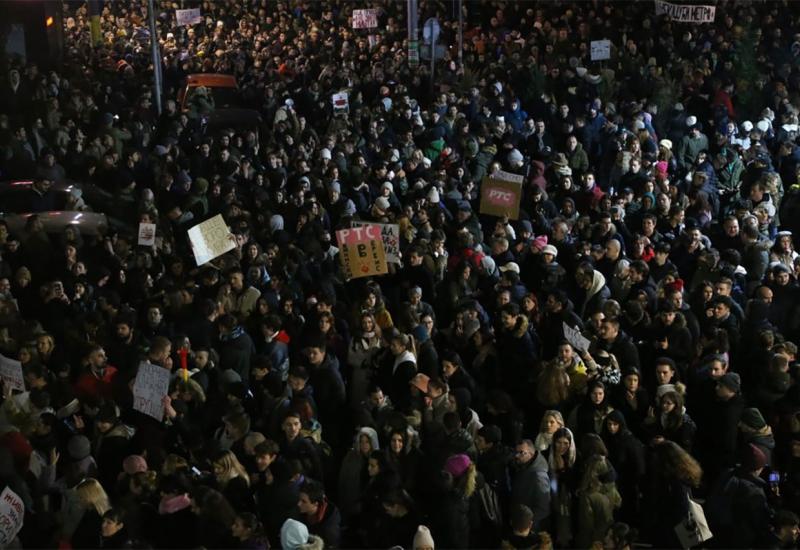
{"type": "Point", "coordinates": [361, 252]}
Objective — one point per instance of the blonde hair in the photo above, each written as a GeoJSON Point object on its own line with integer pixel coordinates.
{"type": "Point", "coordinates": [551, 414]}
{"type": "Point", "coordinates": [232, 468]}
{"type": "Point", "coordinates": [92, 495]}
{"type": "Point", "coordinates": [174, 464]}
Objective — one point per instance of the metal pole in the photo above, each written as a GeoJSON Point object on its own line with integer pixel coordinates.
{"type": "Point", "coordinates": [461, 34]}
{"type": "Point", "coordinates": [413, 34]}
{"type": "Point", "coordinates": [433, 62]}
{"type": "Point", "coordinates": [156, 54]}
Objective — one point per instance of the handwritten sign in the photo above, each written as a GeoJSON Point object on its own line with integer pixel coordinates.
{"type": "Point", "coordinates": [390, 236]}
{"type": "Point", "coordinates": [341, 103]}
{"type": "Point", "coordinates": [147, 234]}
{"type": "Point", "coordinates": [188, 17]}
{"type": "Point", "coordinates": [501, 193]}
{"type": "Point", "coordinates": [12, 515]}
{"type": "Point", "coordinates": [575, 338]}
{"type": "Point", "coordinates": [600, 50]}
{"type": "Point", "coordinates": [361, 252]}
{"type": "Point", "coordinates": [210, 239]}
{"type": "Point", "coordinates": [149, 389]}
{"type": "Point", "coordinates": [11, 373]}
{"type": "Point", "coordinates": [686, 13]}
{"type": "Point", "coordinates": [365, 19]}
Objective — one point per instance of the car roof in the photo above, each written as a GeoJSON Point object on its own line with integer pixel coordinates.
{"type": "Point", "coordinates": [64, 185]}
{"type": "Point", "coordinates": [212, 80]}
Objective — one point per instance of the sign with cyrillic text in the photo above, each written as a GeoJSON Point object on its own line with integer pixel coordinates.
{"type": "Point", "coordinates": [361, 252]}
{"type": "Point", "coordinates": [686, 13]}
{"type": "Point", "coordinates": [501, 193]}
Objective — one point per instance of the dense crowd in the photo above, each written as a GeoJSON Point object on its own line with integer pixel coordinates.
{"type": "Point", "coordinates": [449, 403]}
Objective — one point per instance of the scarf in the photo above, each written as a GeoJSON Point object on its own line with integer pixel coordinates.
{"type": "Point", "coordinates": [235, 333]}
{"type": "Point", "coordinates": [174, 504]}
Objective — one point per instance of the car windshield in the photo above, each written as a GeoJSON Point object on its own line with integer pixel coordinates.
{"type": "Point", "coordinates": [223, 97]}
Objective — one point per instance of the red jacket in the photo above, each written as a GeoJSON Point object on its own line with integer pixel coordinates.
{"type": "Point", "coordinates": [91, 387]}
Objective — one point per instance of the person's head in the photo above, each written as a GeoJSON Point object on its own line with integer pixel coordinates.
{"type": "Point", "coordinates": [508, 315]}
{"type": "Point", "coordinates": [717, 367]}
{"type": "Point", "coordinates": [96, 359]}
{"type": "Point", "coordinates": [786, 526]}
{"type": "Point", "coordinates": [728, 385]}
{"type": "Point", "coordinates": [246, 526]}
{"type": "Point", "coordinates": [92, 496]}
{"type": "Point", "coordinates": [596, 393]}
{"type": "Point", "coordinates": [563, 443]}
{"type": "Point", "coordinates": [315, 353]}
{"type": "Point", "coordinates": [521, 519]}
{"type": "Point", "coordinates": [265, 454]}
{"type": "Point", "coordinates": [160, 350]}
{"type": "Point", "coordinates": [665, 370]}
{"type": "Point", "coordinates": [312, 496]}
{"type": "Point", "coordinates": [226, 467]}
{"type": "Point", "coordinates": [551, 422]}
{"type": "Point", "coordinates": [291, 425]}
{"type": "Point", "coordinates": [112, 523]}
{"type": "Point", "coordinates": [524, 452]}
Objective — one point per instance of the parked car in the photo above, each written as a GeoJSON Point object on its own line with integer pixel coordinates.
{"type": "Point", "coordinates": [69, 209]}
{"type": "Point", "coordinates": [229, 111]}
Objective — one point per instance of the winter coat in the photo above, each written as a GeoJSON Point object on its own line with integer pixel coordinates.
{"type": "Point", "coordinates": [737, 510]}
{"type": "Point", "coordinates": [236, 352]}
{"type": "Point", "coordinates": [595, 515]}
{"type": "Point", "coordinates": [531, 486]}
{"type": "Point", "coordinates": [329, 390]}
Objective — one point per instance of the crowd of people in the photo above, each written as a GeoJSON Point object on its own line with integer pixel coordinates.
{"type": "Point", "coordinates": [586, 375]}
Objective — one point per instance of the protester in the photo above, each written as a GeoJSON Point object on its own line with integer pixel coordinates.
{"type": "Point", "coordinates": [572, 371]}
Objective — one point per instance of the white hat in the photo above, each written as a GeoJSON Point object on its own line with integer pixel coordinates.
{"type": "Point", "coordinates": [433, 196]}
{"type": "Point", "coordinates": [550, 249]}
{"type": "Point", "coordinates": [510, 266]}
{"type": "Point", "coordinates": [747, 126]}
{"type": "Point", "coordinates": [382, 203]}
{"type": "Point", "coordinates": [426, 161]}
{"type": "Point", "coordinates": [691, 120]}
{"type": "Point", "coordinates": [638, 125]}
{"type": "Point", "coordinates": [388, 185]}
{"type": "Point", "coordinates": [422, 539]}
{"type": "Point", "coordinates": [580, 71]}
{"type": "Point", "coordinates": [768, 207]}
{"type": "Point", "coordinates": [325, 153]}
{"type": "Point", "coordinates": [666, 144]}
{"type": "Point", "coordinates": [763, 126]}
{"type": "Point", "coordinates": [515, 156]}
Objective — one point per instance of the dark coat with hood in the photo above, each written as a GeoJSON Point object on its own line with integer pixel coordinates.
{"type": "Point", "coordinates": [626, 454]}
{"type": "Point", "coordinates": [737, 510]}
{"type": "Point", "coordinates": [516, 352]}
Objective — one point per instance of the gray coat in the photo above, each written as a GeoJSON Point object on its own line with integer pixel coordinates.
{"type": "Point", "coordinates": [531, 487]}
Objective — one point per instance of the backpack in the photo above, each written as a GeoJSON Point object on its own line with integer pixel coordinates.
{"type": "Point", "coordinates": [491, 512]}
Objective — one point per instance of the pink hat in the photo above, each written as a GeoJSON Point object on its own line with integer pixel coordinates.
{"type": "Point", "coordinates": [134, 464]}
{"type": "Point", "coordinates": [540, 242]}
{"type": "Point", "coordinates": [456, 465]}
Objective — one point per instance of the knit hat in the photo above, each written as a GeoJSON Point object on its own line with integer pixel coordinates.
{"type": "Point", "coordinates": [420, 333]}
{"type": "Point", "coordinates": [550, 249]}
{"type": "Point", "coordinates": [515, 156]}
{"type": "Point", "coordinates": [134, 464]}
{"type": "Point", "coordinates": [422, 539]}
{"type": "Point", "coordinates": [382, 203]}
{"type": "Point", "coordinates": [456, 465]}
{"type": "Point", "coordinates": [335, 187]}
{"type": "Point", "coordinates": [471, 327]}
{"type": "Point", "coordinates": [325, 153]}
{"type": "Point", "coordinates": [79, 447]}
{"type": "Point", "coordinates": [294, 534]}
{"type": "Point", "coordinates": [732, 381]}
{"type": "Point", "coordinates": [753, 458]}
{"type": "Point", "coordinates": [752, 418]}
{"type": "Point", "coordinates": [433, 196]}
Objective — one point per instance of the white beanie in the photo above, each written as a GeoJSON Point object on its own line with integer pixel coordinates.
{"type": "Point", "coordinates": [433, 196]}
{"type": "Point", "coordinates": [422, 539]}
{"type": "Point", "coordinates": [763, 126]}
{"type": "Point", "coordinates": [747, 126]}
{"type": "Point", "coordinates": [293, 535]}
{"type": "Point", "coordinates": [691, 120]}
